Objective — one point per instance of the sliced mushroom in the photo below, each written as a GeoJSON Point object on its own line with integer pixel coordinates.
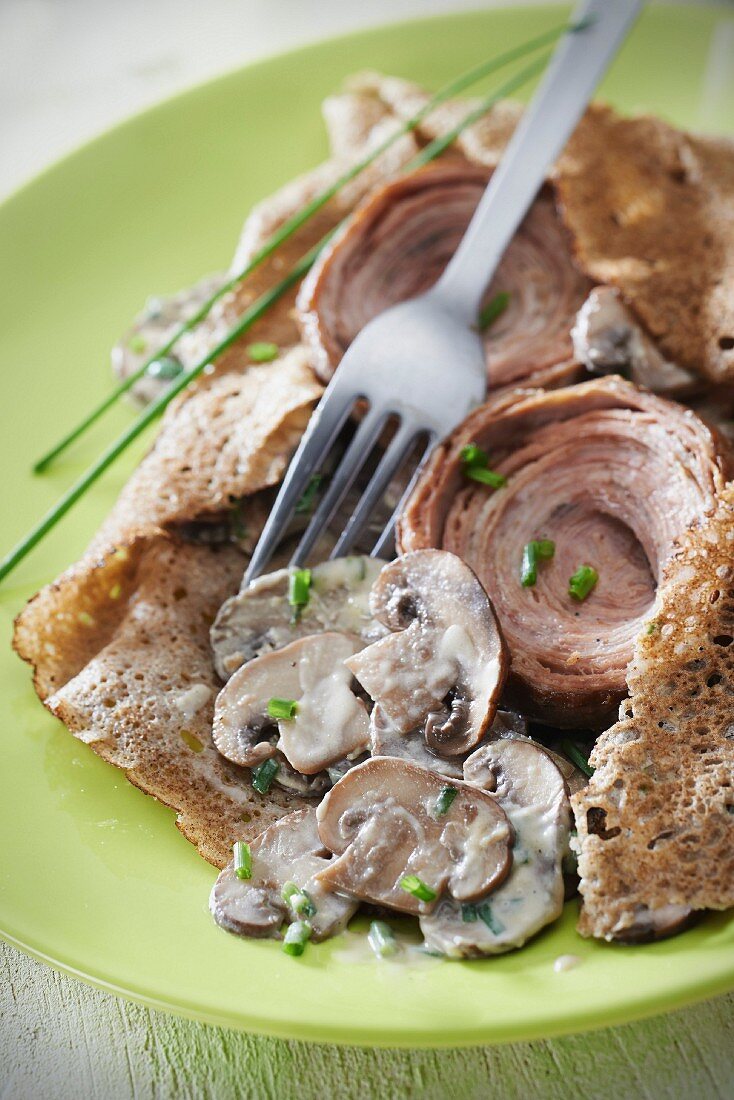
{"type": "Point", "coordinates": [330, 722]}
{"type": "Point", "coordinates": [608, 340]}
{"type": "Point", "coordinates": [574, 777]}
{"type": "Point", "coordinates": [387, 741]}
{"type": "Point", "coordinates": [382, 821]}
{"type": "Point", "coordinates": [288, 851]}
{"type": "Point", "coordinates": [308, 786]}
{"type": "Point", "coordinates": [653, 924]}
{"type": "Point", "coordinates": [260, 619]}
{"type": "Point", "coordinates": [446, 657]}
{"type": "Point", "coordinates": [532, 792]}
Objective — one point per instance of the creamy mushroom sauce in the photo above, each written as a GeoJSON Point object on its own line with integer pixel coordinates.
{"type": "Point", "coordinates": [532, 792]}
{"type": "Point", "coordinates": [288, 851]}
{"type": "Point", "coordinates": [383, 822]}
{"type": "Point", "coordinates": [259, 618]}
{"type": "Point", "coordinates": [329, 722]}
{"type": "Point", "coordinates": [491, 860]}
{"type": "Point", "coordinates": [444, 652]}
{"type": "Point", "coordinates": [387, 741]}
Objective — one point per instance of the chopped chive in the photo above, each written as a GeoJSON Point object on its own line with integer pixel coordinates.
{"type": "Point", "coordinates": [237, 523]}
{"type": "Point", "coordinates": [137, 344]}
{"type": "Point", "coordinates": [263, 352]}
{"type": "Point", "coordinates": [575, 755]}
{"type": "Point", "coordinates": [282, 708]}
{"type": "Point", "coordinates": [167, 368]}
{"type": "Point", "coordinates": [486, 477]}
{"type": "Point", "coordinates": [471, 455]}
{"type": "Point", "coordinates": [264, 774]}
{"type": "Point", "coordinates": [529, 565]}
{"type": "Point", "coordinates": [546, 548]}
{"type": "Point", "coordinates": [307, 501]}
{"type": "Point", "coordinates": [484, 912]}
{"type": "Point", "coordinates": [493, 309]}
{"type": "Point", "coordinates": [362, 566]}
{"type": "Point", "coordinates": [296, 938]}
{"type": "Point", "coordinates": [652, 627]}
{"type": "Point", "coordinates": [289, 890]}
{"type": "Point", "coordinates": [475, 465]}
{"type": "Point", "coordinates": [299, 587]}
{"type": "Point", "coordinates": [242, 860]}
{"type": "Point", "coordinates": [533, 552]}
{"type": "Point", "coordinates": [417, 887]}
{"type": "Point", "coordinates": [299, 900]}
{"type": "Point", "coordinates": [582, 582]}
{"type": "Point", "coordinates": [444, 800]}
{"type": "Point", "coordinates": [382, 939]}
{"type": "Point", "coordinates": [192, 741]}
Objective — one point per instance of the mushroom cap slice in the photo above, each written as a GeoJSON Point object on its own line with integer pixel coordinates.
{"type": "Point", "coordinates": [387, 741]}
{"type": "Point", "coordinates": [446, 649]}
{"type": "Point", "coordinates": [532, 791]}
{"type": "Point", "coordinates": [608, 339]}
{"type": "Point", "coordinates": [381, 821]}
{"type": "Point", "coordinates": [259, 618]}
{"type": "Point", "coordinates": [290, 850]}
{"type": "Point", "coordinates": [649, 925]}
{"type": "Point", "coordinates": [330, 723]}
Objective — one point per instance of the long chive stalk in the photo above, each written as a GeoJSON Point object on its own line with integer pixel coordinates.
{"type": "Point", "coordinates": [152, 411]}
{"type": "Point", "coordinates": [289, 227]}
{"type": "Point", "coordinates": [252, 314]}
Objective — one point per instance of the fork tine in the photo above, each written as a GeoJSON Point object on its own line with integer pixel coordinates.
{"type": "Point", "coordinates": [390, 462]}
{"type": "Point", "coordinates": [323, 428]}
{"type": "Point", "coordinates": [354, 458]}
{"type": "Point", "coordinates": [387, 535]}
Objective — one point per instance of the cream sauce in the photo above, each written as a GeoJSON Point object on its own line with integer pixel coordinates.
{"type": "Point", "coordinates": [532, 895]}
{"type": "Point", "coordinates": [260, 619]}
{"type": "Point", "coordinates": [191, 701]}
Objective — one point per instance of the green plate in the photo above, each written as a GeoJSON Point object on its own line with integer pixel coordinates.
{"type": "Point", "coordinates": [94, 878]}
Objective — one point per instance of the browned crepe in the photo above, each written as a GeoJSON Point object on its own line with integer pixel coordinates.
{"type": "Point", "coordinates": [656, 822]}
{"type": "Point", "coordinates": [125, 632]}
{"type": "Point", "coordinates": [121, 636]}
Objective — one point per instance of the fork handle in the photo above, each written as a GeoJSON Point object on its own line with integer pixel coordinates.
{"type": "Point", "coordinates": [576, 68]}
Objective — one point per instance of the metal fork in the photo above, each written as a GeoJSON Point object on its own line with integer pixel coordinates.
{"type": "Point", "coordinates": [422, 362]}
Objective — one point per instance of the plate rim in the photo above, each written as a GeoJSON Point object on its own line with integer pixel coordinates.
{"type": "Point", "coordinates": [301, 1030]}
{"type": "Point", "coordinates": [375, 1038]}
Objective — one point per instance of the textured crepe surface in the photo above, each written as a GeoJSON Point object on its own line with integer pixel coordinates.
{"type": "Point", "coordinates": [108, 664]}
{"type": "Point", "coordinates": [138, 684]}
{"type": "Point", "coordinates": [665, 772]}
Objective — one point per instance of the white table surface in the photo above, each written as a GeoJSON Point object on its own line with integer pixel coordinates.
{"type": "Point", "coordinates": [68, 70]}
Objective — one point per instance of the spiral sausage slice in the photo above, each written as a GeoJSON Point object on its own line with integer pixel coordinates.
{"type": "Point", "coordinates": [612, 475]}
{"type": "Point", "coordinates": [397, 244]}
